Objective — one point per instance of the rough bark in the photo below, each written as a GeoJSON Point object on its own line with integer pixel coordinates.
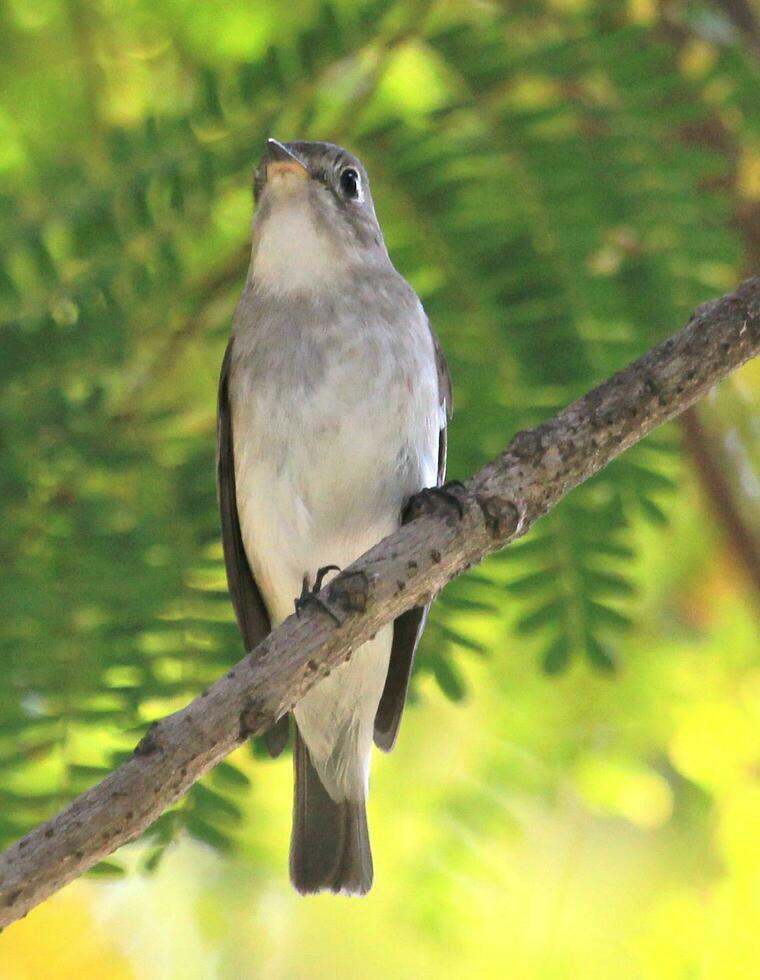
{"type": "Point", "coordinates": [498, 504]}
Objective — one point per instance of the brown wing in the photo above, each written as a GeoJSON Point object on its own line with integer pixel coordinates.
{"type": "Point", "coordinates": [251, 613]}
{"type": "Point", "coordinates": [408, 627]}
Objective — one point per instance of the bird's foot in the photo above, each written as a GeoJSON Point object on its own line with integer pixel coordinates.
{"type": "Point", "coordinates": [309, 596]}
{"type": "Point", "coordinates": [426, 501]}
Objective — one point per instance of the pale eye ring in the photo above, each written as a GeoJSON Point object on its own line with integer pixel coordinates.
{"type": "Point", "coordinates": [350, 183]}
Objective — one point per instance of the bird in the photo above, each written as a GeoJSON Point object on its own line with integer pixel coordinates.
{"type": "Point", "coordinates": [334, 398]}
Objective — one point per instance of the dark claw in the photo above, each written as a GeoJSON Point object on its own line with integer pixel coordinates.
{"type": "Point", "coordinates": [321, 572]}
{"type": "Point", "coordinates": [309, 596]}
{"type": "Point", "coordinates": [420, 502]}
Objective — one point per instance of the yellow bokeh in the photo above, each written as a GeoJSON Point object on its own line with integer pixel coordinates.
{"type": "Point", "coordinates": [62, 940]}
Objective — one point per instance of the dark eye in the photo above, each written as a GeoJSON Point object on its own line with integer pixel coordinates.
{"type": "Point", "coordinates": [349, 182]}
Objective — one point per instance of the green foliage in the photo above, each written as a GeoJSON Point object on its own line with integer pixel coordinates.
{"type": "Point", "coordinates": [528, 173]}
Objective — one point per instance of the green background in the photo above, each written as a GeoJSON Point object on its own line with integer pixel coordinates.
{"type": "Point", "coordinates": [576, 789]}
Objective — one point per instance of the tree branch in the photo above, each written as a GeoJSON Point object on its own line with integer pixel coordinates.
{"type": "Point", "coordinates": [499, 503]}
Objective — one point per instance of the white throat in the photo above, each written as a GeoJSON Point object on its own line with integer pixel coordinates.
{"type": "Point", "coordinates": [291, 255]}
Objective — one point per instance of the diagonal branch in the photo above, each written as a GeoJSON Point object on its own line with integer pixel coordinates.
{"type": "Point", "coordinates": [499, 503]}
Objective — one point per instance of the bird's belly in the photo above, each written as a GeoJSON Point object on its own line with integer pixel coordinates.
{"type": "Point", "coordinates": [317, 484]}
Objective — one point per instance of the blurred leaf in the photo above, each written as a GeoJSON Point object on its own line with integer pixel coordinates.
{"type": "Point", "coordinates": [106, 869]}
{"type": "Point", "coordinates": [448, 679]}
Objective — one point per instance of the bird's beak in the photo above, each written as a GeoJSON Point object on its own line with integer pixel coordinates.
{"type": "Point", "coordinates": [279, 161]}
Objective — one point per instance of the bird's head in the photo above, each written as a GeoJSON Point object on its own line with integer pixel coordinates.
{"type": "Point", "coordinates": [314, 220]}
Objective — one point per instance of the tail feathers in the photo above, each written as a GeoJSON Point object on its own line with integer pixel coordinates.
{"type": "Point", "coordinates": [329, 848]}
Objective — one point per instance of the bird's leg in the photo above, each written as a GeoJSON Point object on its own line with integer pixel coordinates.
{"type": "Point", "coordinates": [424, 501]}
{"type": "Point", "coordinates": [309, 595]}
